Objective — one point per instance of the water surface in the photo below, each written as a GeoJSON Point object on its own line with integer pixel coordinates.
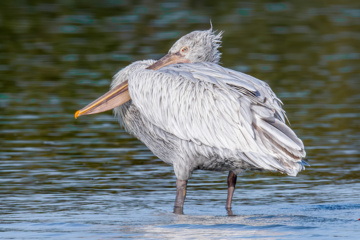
{"type": "Point", "coordinates": [62, 178]}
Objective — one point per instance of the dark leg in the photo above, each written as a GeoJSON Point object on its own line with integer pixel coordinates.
{"type": "Point", "coordinates": [180, 196]}
{"type": "Point", "coordinates": [231, 181]}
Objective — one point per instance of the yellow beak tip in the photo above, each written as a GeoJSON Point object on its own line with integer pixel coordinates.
{"type": "Point", "coordinates": [77, 114]}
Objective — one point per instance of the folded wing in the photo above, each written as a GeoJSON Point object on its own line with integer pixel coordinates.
{"type": "Point", "coordinates": [214, 106]}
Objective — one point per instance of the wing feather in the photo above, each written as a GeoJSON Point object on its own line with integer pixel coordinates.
{"type": "Point", "coordinates": [223, 109]}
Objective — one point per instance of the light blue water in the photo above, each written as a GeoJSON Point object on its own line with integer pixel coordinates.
{"type": "Point", "coordinates": [62, 178]}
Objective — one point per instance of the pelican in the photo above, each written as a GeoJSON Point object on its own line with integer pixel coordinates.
{"type": "Point", "coordinates": [193, 113]}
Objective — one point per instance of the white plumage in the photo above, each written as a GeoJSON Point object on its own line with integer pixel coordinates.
{"type": "Point", "coordinates": [210, 118]}
{"type": "Point", "coordinates": [194, 114]}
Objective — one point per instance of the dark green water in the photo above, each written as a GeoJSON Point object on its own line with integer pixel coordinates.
{"type": "Point", "coordinates": [62, 178]}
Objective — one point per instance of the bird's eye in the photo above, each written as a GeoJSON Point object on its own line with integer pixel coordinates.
{"type": "Point", "coordinates": [184, 50]}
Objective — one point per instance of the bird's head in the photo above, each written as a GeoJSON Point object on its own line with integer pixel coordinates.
{"type": "Point", "coordinates": [197, 46]}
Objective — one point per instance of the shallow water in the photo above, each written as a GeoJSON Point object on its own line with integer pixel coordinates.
{"type": "Point", "coordinates": [62, 178]}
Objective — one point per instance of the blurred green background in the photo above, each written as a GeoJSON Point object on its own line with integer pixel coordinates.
{"type": "Point", "coordinates": [57, 56]}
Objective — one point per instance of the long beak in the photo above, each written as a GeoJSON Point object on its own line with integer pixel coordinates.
{"type": "Point", "coordinates": [120, 94]}
{"type": "Point", "coordinates": [113, 98]}
{"type": "Point", "coordinates": [170, 58]}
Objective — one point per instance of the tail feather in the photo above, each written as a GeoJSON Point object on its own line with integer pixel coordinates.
{"type": "Point", "coordinates": [282, 144]}
{"type": "Point", "coordinates": [281, 136]}
{"type": "Point", "coordinates": [285, 130]}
